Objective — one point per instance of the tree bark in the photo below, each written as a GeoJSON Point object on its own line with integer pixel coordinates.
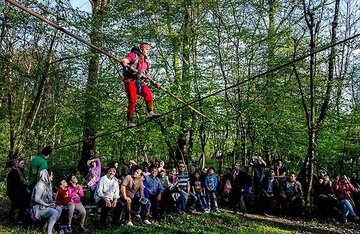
{"type": "Point", "coordinates": [99, 9]}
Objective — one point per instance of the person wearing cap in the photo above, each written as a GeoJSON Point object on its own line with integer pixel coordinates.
{"type": "Point", "coordinates": [136, 69]}
{"type": "Point", "coordinates": [107, 197]}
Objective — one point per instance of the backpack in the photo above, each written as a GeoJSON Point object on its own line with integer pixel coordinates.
{"type": "Point", "coordinates": [134, 65]}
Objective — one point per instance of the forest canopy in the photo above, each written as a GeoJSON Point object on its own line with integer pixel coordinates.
{"type": "Point", "coordinates": [56, 91]}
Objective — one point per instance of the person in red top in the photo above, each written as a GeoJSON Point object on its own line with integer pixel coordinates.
{"type": "Point", "coordinates": [343, 190]}
{"type": "Point", "coordinates": [63, 197]}
{"type": "Point", "coordinates": [69, 196]}
{"type": "Point", "coordinates": [136, 69]}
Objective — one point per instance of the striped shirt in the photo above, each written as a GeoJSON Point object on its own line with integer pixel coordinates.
{"type": "Point", "coordinates": [183, 179]}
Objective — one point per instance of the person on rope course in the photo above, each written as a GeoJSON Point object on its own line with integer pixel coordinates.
{"type": "Point", "coordinates": [136, 72]}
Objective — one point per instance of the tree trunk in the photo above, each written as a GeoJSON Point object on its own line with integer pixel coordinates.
{"type": "Point", "coordinates": [30, 119]}
{"type": "Point", "coordinates": [99, 8]}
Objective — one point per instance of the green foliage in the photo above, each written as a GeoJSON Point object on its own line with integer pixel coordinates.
{"type": "Point", "coordinates": [225, 42]}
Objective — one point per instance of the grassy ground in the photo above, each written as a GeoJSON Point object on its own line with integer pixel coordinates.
{"type": "Point", "coordinates": [224, 222]}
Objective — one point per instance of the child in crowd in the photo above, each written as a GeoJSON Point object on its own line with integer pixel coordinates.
{"type": "Point", "coordinates": [211, 182]}
{"type": "Point", "coordinates": [199, 190]}
{"type": "Point", "coordinates": [76, 192]}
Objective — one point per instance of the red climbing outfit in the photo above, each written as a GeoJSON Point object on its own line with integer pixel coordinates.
{"type": "Point", "coordinates": [134, 85]}
{"type": "Point", "coordinates": [130, 85]}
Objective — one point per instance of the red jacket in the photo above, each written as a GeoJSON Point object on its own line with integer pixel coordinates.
{"type": "Point", "coordinates": [63, 197]}
{"type": "Point", "coordinates": [343, 190]}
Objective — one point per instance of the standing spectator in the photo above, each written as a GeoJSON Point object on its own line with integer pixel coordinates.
{"type": "Point", "coordinates": [343, 190]}
{"type": "Point", "coordinates": [259, 168]}
{"type": "Point", "coordinates": [94, 175]}
{"type": "Point", "coordinates": [161, 166]}
{"type": "Point", "coordinates": [107, 197]}
{"type": "Point", "coordinates": [184, 189]}
{"type": "Point", "coordinates": [145, 170]}
{"type": "Point", "coordinates": [279, 170]}
{"type": "Point", "coordinates": [155, 190]}
{"type": "Point", "coordinates": [192, 172]}
{"type": "Point", "coordinates": [354, 179]}
{"type": "Point", "coordinates": [17, 191]}
{"type": "Point", "coordinates": [211, 182]}
{"type": "Point", "coordinates": [238, 180]}
{"type": "Point", "coordinates": [131, 185]}
{"type": "Point", "coordinates": [291, 196]}
{"type": "Point", "coordinates": [270, 192]}
{"type": "Point", "coordinates": [203, 175]}
{"type": "Point", "coordinates": [39, 163]}
{"type": "Point", "coordinates": [199, 192]}
{"type": "Point", "coordinates": [42, 202]}
{"type": "Point", "coordinates": [356, 197]}
{"type": "Point", "coordinates": [166, 195]}
{"type": "Point", "coordinates": [173, 176]}
{"type": "Point", "coordinates": [129, 168]}
{"type": "Point", "coordinates": [76, 192]}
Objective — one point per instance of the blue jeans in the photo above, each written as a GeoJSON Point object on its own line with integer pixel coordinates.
{"type": "Point", "coordinates": [201, 202]}
{"type": "Point", "coordinates": [346, 209]}
{"type": "Point", "coordinates": [212, 199]}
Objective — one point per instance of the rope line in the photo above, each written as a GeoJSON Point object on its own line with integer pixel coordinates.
{"type": "Point", "coordinates": [279, 67]}
{"type": "Point", "coordinates": [224, 89]}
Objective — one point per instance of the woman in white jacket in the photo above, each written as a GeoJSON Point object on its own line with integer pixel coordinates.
{"type": "Point", "coordinates": [42, 198]}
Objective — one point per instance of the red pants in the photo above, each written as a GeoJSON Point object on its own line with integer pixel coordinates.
{"type": "Point", "coordinates": [131, 93]}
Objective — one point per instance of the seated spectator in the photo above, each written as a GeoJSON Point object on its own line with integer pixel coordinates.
{"type": "Point", "coordinates": [107, 197]}
{"type": "Point", "coordinates": [324, 197]}
{"type": "Point", "coordinates": [17, 191]}
{"type": "Point", "coordinates": [211, 182]}
{"type": "Point", "coordinates": [270, 193]}
{"type": "Point", "coordinates": [131, 185]}
{"type": "Point", "coordinates": [42, 202]}
{"type": "Point", "coordinates": [343, 190]}
{"type": "Point", "coordinates": [155, 190]}
{"type": "Point", "coordinates": [199, 191]}
{"type": "Point", "coordinates": [279, 170]}
{"type": "Point", "coordinates": [76, 192]}
{"type": "Point", "coordinates": [291, 196]}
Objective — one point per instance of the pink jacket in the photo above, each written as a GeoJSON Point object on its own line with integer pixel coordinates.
{"type": "Point", "coordinates": [76, 193]}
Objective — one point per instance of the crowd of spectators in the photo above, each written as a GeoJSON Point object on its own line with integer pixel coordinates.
{"type": "Point", "coordinates": [154, 191]}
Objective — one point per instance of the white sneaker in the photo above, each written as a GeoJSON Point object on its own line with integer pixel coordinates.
{"type": "Point", "coordinates": [131, 124]}
{"type": "Point", "coordinates": [138, 216]}
{"type": "Point", "coordinates": [147, 222]}
{"type": "Point", "coordinates": [152, 115]}
{"type": "Point", "coordinates": [129, 224]}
